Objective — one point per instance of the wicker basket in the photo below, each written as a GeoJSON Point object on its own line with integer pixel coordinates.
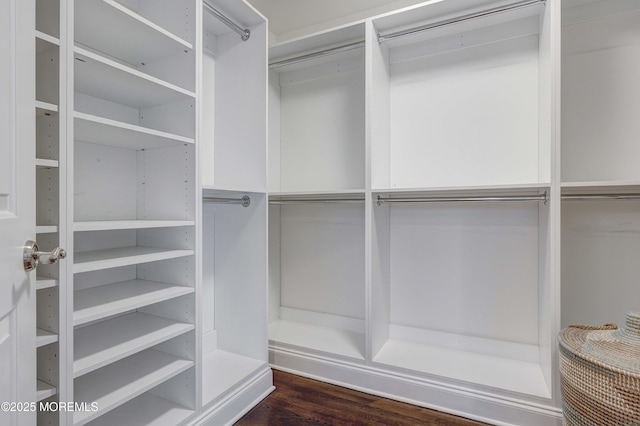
{"type": "Point", "coordinates": [600, 374]}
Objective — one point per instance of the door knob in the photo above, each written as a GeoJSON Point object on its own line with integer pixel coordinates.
{"type": "Point", "coordinates": [32, 256]}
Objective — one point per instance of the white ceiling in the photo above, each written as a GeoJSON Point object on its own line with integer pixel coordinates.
{"type": "Point", "coordinates": [294, 18]}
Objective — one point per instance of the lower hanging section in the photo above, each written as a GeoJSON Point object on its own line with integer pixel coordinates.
{"type": "Point", "coordinates": [449, 396]}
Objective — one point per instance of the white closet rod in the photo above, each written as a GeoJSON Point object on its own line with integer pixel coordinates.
{"type": "Point", "coordinates": [519, 5]}
{"type": "Point", "coordinates": [601, 197]}
{"type": "Point", "coordinates": [245, 201]}
{"type": "Point", "coordinates": [243, 32]}
{"type": "Point", "coordinates": [510, 198]}
{"type": "Point", "coordinates": [318, 54]}
{"type": "Point", "coordinates": [319, 201]}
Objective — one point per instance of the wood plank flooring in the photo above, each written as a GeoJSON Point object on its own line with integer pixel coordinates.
{"type": "Point", "coordinates": [298, 401]}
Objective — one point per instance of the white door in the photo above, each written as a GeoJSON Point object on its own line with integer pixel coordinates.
{"type": "Point", "coordinates": [17, 209]}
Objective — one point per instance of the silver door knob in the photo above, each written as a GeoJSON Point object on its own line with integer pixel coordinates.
{"type": "Point", "coordinates": [32, 256]}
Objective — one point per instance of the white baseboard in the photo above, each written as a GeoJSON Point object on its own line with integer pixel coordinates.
{"type": "Point", "coordinates": [441, 396]}
{"type": "Point", "coordinates": [232, 407]}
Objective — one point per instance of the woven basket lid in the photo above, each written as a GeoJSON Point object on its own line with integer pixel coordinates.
{"type": "Point", "coordinates": [613, 349]}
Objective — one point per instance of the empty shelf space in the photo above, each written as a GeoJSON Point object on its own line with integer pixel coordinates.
{"type": "Point", "coordinates": [101, 302]}
{"type": "Point", "coordinates": [113, 258]}
{"type": "Point", "coordinates": [109, 341]}
{"type": "Point", "coordinates": [109, 80]}
{"type": "Point", "coordinates": [222, 371]}
{"type": "Point", "coordinates": [145, 410]}
{"type": "Point", "coordinates": [44, 337]}
{"type": "Point", "coordinates": [122, 381]}
{"type": "Point", "coordinates": [46, 229]}
{"type": "Point", "coordinates": [44, 390]}
{"type": "Point", "coordinates": [90, 128]}
{"type": "Point", "coordinates": [481, 369]}
{"type": "Point", "coordinates": [43, 163]}
{"type": "Point", "coordinates": [137, 39]}
{"type": "Point", "coordinates": [317, 338]}
{"type": "Point", "coordinates": [43, 108]}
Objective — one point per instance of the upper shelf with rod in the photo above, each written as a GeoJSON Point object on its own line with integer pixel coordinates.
{"type": "Point", "coordinates": [326, 46]}
{"type": "Point", "coordinates": [447, 18]}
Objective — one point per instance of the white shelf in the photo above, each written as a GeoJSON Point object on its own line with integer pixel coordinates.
{"type": "Point", "coordinates": [109, 341]}
{"type": "Point", "coordinates": [526, 188]}
{"type": "Point", "coordinates": [317, 338]}
{"type": "Point", "coordinates": [90, 128]}
{"type": "Point", "coordinates": [600, 187]}
{"type": "Point", "coordinates": [122, 381]}
{"type": "Point", "coordinates": [46, 229]}
{"type": "Point", "coordinates": [45, 42]}
{"type": "Point", "coordinates": [101, 302]}
{"type": "Point", "coordinates": [136, 39]}
{"type": "Point", "coordinates": [43, 163]}
{"type": "Point", "coordinates": [145, 410]}
{"type": "Point", "coordinates": [113, 258]}
{"type": "Point", "coordinates": [109, 80]}
{"type": "Point", "coordinates": [108, 225]}
{"type": "Point", "coordinates": [42, 283]}
{"type": "Point", "coordinates": [45, 107]}
{"type": "Point", "coordinates": [481, 369]}
{"type": "Point", "coordinates": [40, 36]}
{"type": "Point", "coordinates": [222, 371]}
{"type": "Point", "coordinates": [233, 189]}
{"type": "Point", "coordinates": [44, 390]}
{"type": "Point", "coordinates": [44, 337]}
{"type": "Point", "coordinates": [346, 193]}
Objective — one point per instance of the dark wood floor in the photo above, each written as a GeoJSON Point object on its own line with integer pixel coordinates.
{"type": "Point", "coordinates": [301, 401]}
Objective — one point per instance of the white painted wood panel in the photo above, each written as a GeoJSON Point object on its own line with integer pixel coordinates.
{"type": "Point", "coordinates": [44, 390]}
{"type": "Point", "coordinates": [145, 410]}
{"type": "Point", "coordinates": [322, 258]}
{"type": "Point", "coordinates": [322, 133]}
{"type": "Point", "coordinates": [106, 342]}
{"type": "Point", "coordinates": [600, 93]}
{"type": "Point", "coordinates": [469, 270]}
{"type": "Point", "coordinates": [104, 131]}
{"type": "Point", "coordinates": [137, 41]}
{"type": "Point", "coordinates": [466, 117]}
{"type": "Point", "coordinates": [487, 370]}
{"type": "Point", "coordinates": [223, 370]}
{"type": "Point", "coordinates": [118, 383]}
{"type": "Point", "coordinates": [122, 84]}
{"type": "Point", "coordinates": [104, 301]}
{"type": "Point", "coordinates": [599, 270]}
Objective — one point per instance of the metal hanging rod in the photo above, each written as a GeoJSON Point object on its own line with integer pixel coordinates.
{"type": "Point", "coordinates": [509, 198]}
{"type": "Point", "coordinates": [244, 32]}
{"type": "Point", "coordinates": [519, 5]}
{"type": "Point", "coordinates": [601, 197]}
{"type": "Point", "coordinates": [245, 201]}
{"type": "Point", "coordinates": [318, 201]}
{"type": "Point", "coordinates": [318, 54]}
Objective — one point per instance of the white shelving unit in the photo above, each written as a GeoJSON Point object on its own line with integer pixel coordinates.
{"type": "Point", "coordinates": [233, 132]}
{"type": "Point", "coordinates": [414, 207]}
{"type": "Point", "coordinates": [105, 301]}
{"type": "Point", "coordinates": [122, 381]}
{"type": "Point", "coordinates": [132, 155]}
{"type": "Point", "coordinates": [317, 193]}
{"type": "Point", "coordinates": [599, 143]}
{"type": "Point", "coordinates": [126, 105]}
{"type": "Point", "coordinates": [50, 201]}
